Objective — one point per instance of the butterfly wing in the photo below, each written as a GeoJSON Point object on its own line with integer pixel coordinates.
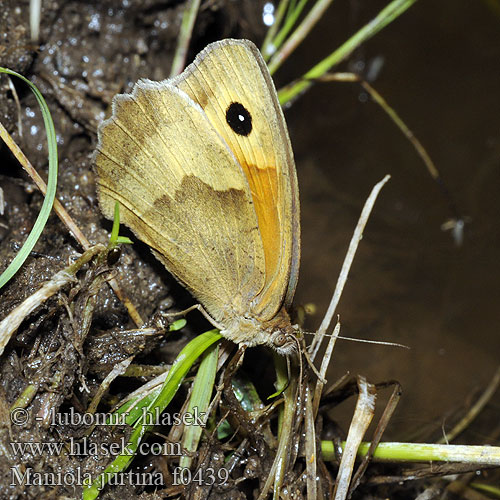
{"type": "Point", "coordinates": [226, 79]}
{"type": "Point", "coordinates": [183, 193]}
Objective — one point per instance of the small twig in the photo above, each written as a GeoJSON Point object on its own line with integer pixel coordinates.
{"type": "Point", "coordinates": [475, 410]}
{"type": "Point", "coordinates": [42, 186]}
{"type": "Point", "coordinates": [346, 266]}
{"type": "Point", "coordinates": [132, 311]}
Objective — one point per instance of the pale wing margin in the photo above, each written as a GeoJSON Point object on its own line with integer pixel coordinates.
{"type": "Point", "coordinates": [182, 192]}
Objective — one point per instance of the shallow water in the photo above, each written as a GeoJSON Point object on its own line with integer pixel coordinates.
{"type": "Point", "coordinates": [410, 283]}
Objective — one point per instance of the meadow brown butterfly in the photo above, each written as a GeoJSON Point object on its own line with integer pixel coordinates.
{"type": "Point", "coordinates": [203, 169]}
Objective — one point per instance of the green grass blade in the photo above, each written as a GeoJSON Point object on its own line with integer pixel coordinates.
{"type": "Point", "coordinates": [51, 185]}
{"type": "Point", "coordinates": [187, 25]}
{"type": "Point", "coordinates": [115, 238]}
{"type": "Point", "coordinates": [176, 375]}
{"type": "Point", "coordinates": [200, 400]}
{"type": "Point", "coordinates": [290, 21]}
{"type": "Point", "coordinates": [383, 18]}
{"type": "Point", "coordinates": [267, 47]}
{"type": "Point", "coordinates": [422, 452]}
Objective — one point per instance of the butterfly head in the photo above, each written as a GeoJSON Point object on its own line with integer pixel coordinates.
{"type": "Point", "coordinates": [284, 341]}
{"type": "Point", "coordinates": [281, 334]}
{"type": "Point", "coordinates": [277, 333]}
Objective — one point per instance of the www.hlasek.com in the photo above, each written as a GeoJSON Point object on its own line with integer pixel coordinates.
{"type": "Point", "coordinates": [84, 446]}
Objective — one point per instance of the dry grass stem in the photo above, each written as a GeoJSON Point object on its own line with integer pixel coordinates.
{"type": "Point", "coordinates": [118, 369]}
{"type": "Point", "coordinates": [320, 384]}
{"type": "Point", "coordinates": [66, 219]}
{"type": "Point", "coordinates": [346, 266]}
{"type": "Point", "coordinates": [12, 321]}
{"type": "Point", "coordinates": [363, 414]}
{"type": "Point", "coordinates": [377, 436]}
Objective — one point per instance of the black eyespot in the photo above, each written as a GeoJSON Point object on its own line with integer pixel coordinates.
{"type": "Point", "coordinates": [239, 118]}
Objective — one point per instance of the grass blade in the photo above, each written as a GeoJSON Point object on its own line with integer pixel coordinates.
{"type": "Point", "coordinates": [51, 182]}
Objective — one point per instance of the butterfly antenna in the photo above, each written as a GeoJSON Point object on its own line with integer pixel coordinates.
{"type": "Point", "coordinates": [363, 341]}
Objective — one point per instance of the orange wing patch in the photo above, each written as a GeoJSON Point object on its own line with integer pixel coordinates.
{"type": "Point", "coordinates": [264, 188]}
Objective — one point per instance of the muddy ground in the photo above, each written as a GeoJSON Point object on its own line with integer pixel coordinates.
{"type": "Point", "coordinates": [410, 284]}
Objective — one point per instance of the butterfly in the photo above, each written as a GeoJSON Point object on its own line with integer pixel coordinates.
{"type": "Point", "coordinates": [203, 169]}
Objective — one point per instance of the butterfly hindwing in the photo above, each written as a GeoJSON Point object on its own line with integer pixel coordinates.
{"type": "Point", "coordinates": [182, 192]}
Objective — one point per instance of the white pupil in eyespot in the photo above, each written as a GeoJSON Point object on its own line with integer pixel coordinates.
{"type": "Point", "coordinates": [241, 118]}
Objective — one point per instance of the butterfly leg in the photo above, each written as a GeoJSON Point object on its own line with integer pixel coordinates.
{"type": "Point", "coordinates": [200, 308]}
